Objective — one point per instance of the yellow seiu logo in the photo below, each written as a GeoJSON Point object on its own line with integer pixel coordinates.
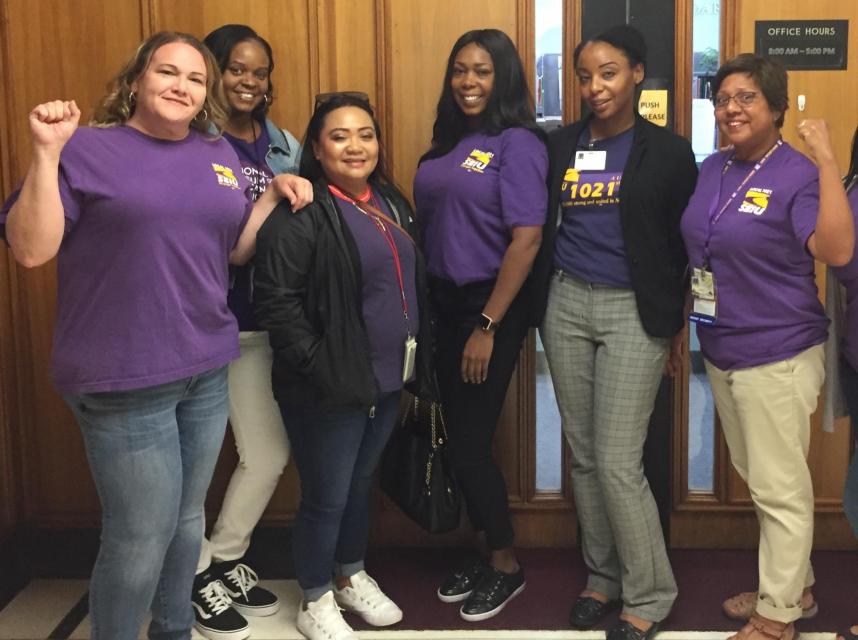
{"type": "Point", "coordinates": [756, 201]}
{"type": "Point", "coordinates": [225, 176]}
{"type": "Point", "coordinates": [478, 160]}
{"type": "Point", "coordinates": [571, 175]}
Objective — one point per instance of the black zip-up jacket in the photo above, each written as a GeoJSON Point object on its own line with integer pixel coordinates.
{"type": "Point", "coordinates": [307, 295]}
{"type": "Point", "coordinates": [658, 180]}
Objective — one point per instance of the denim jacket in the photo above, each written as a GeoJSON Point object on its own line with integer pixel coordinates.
{"type": "Point", "coordinates": [284, 152]}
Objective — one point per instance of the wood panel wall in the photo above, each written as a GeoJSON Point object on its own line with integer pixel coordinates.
{"type": "Point", "coordinates": [394, 50]}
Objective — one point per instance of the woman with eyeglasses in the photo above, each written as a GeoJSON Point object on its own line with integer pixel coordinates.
{"type": "Point", "coordinates": [761, 214]}
{"type": "Point", "coordinates": [612, 278]}
{"type": "Point", "coordinates": [264, 151]}
{"type": "Point", "coordinates": [338, 288]}
{"type": "Point", "coordinates": [480, 197]}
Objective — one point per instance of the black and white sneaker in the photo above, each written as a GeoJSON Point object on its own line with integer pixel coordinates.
{"type": "Point", "coordinates": [458, 586]}
{"type": "Point", "coordinates": [215, 618]}
{"type": "Point", "coordinates": [242, 585]}
{"type": "Point", "coordinates": [491, 594]}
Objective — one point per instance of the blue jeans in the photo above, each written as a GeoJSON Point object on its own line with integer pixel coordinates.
{"type": "Point", "coordinates": [336, 451]}
{"type": "Point", "coordinates": [849, 382]}
{"type": "Point", "coordinates": [152, 453]}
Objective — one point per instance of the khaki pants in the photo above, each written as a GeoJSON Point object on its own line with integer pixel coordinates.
{"type": "Point", "coordinates": [263, 451]}
{"type": "Point", "coordinates": [765, 415]}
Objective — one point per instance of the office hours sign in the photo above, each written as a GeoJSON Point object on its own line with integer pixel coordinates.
{"type": "Point", "coordinates": [809, 45]}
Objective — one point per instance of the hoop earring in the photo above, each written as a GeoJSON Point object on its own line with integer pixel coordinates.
{"type": "Point", "coordinates": [205, 115]}
{"type": "Point", "coordinates": [132, 100]}
{"type": "Point", "coordinates": [266, 98]}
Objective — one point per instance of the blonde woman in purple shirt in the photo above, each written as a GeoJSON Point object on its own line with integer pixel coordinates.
{"type": "Point", "coordinates": [480, 196]}
{"type": "Point", "coordinates": [143, 211]}
{"type": "Point", "coordinates": [759, 217]}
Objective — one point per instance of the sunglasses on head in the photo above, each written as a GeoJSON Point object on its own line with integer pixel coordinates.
{"type": "Point", "coordinates": [322, 98]}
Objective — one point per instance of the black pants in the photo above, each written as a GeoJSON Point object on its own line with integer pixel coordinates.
{"type": "Point", "coordinates": [472, 410]}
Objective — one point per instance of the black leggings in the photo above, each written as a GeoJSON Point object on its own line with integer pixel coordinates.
{"type": "Point", "coordinates": [472, 410]}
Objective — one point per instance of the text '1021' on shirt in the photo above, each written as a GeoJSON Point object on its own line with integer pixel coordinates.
{"type": "Point", "coordinates": [590, 240]}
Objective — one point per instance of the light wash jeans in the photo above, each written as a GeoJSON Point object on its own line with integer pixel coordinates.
{"type": "Point", "coordinates": [152, 452]}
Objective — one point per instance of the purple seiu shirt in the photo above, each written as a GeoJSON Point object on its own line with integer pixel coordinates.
{"type": "Point", "coordinates": [383, 314]}
{"type": "Point", "coordinates": [142, 269]}
{"type": "Point", "coordinates": [767, 303]}
{"type": "Point", "coordinates": [251, 155]}
{"type": "Point", "coordinates": [848, 276]}
{"type": "Point", "coordinates": [590, 240]}
{"type": "Point", "coordinates": [469, 201]}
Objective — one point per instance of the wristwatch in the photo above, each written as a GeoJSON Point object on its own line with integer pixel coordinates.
{"type": "Point", "coordinates": [487, 324]}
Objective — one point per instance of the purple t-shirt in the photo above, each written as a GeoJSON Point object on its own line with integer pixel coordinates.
{"type": "Point", "coordinates": [383, 314]}
{"type": "Point", "coordinates": [252, 158]}
{"type": "Point", "coordinates": [590, 240]}
{"type": "Point", "coordinates": [469, 201]}
{"type": "Point", "coordinates": [142, 269]}
{"type": "Point", "coordinates": [767, 304]}
{"type": "Point", "coordinates": [848, 276]}
{"type": "Point", "coordinates": [251, 155]}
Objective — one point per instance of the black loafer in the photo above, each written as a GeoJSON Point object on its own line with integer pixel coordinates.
{"type": "Point", "coordinates": [491, 594]}
{"type": "Point", "coordinates": [458, 586]}
{"type": "Point", "coordinates": [625, 630]}
{"type": "Point", "coordinates": [587, 611]}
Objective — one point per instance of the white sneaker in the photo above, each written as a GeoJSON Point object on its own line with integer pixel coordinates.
{"type": "Point", "coordinates": [367, 600]}
{"type": "Point", "coordinates": [322, 620]}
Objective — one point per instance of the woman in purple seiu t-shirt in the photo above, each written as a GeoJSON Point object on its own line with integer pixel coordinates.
{"type": "Point", "coordinates": [480, 197]}
{"type": "Point", "coordinates": [761, 214]}
{"type": "Point", "coordinates": [246, 61]}
{"type": "Point", "coordinates": [152, 207]}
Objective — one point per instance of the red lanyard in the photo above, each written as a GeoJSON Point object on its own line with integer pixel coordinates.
{"type": "Point", "coordinates": [386, 234]}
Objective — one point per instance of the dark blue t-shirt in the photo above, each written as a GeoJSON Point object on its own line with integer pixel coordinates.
{"type": "Point", "coordinates": [383, 315]}
{"type": "Point", "coordinates": [590, 238]}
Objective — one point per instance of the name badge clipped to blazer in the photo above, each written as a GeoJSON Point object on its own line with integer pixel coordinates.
{"type": "Point", "coordinates": [590, 160]}
{"type": "Point", "coordinates": [703, 293]}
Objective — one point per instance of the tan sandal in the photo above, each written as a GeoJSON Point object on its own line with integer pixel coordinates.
{"type": "Point", "coordinates": [760, 628]}
{"type": "Point", "coordinates": [743, 605]}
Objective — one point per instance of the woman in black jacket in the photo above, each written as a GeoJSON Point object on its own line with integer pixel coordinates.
{"type": "Point", "coordinates": [337, 287]}
{"type": "Point", "coordinates": [612, 270]}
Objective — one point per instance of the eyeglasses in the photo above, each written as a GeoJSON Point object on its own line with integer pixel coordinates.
{"type": "Point", "coordinates": [322, 98]}
{"type": "Point", "coordinates": [743, 99]}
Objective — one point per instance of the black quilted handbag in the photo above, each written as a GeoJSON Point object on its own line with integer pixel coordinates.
{"type": "Point", "coordinates": [415, 472]}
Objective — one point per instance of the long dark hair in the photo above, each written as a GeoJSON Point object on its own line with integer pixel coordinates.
{"type": "Point", "coordinates": [311, 168]}
{"type": "Point", "coordinates": [222, 41]}
{"type": "Point", "coordinates": [510, 104]}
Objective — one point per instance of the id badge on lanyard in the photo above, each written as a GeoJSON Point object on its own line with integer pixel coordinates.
{"type": "Point", "coordinates": [705, 304]}
{"type": "Point", "coordinates": [704, 309]}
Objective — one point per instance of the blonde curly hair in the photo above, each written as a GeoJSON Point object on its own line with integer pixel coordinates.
{"type": "Point", "coordinates": [117, 106]}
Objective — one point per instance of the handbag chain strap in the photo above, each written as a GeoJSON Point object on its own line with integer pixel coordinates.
{"type": "Point", "coordinates": [436, 443]}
